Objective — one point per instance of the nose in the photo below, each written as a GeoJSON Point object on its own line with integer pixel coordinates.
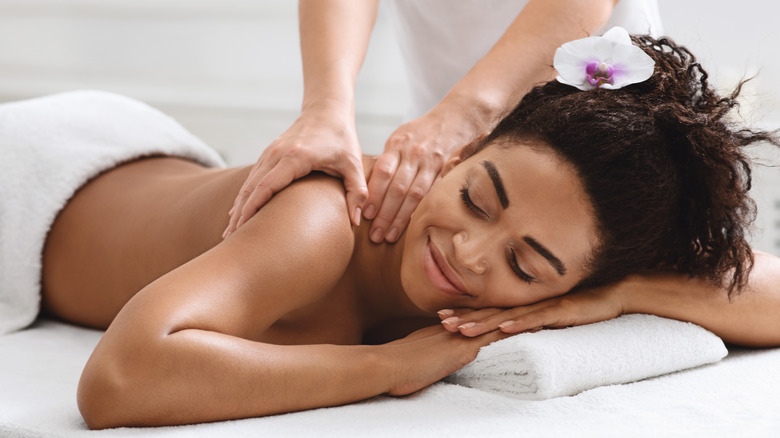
{"type": "Point", "coordinates": [469, 253]}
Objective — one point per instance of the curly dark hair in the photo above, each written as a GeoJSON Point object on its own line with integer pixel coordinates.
{"type": "Point", "coordinates": [663, 167]}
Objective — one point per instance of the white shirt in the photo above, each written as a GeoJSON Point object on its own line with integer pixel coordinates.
{"type": "Point", "coordinates": [442, 39]}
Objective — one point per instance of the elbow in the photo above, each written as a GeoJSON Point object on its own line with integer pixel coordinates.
{"type": "Point", "coordinates": [100, 395]}
{"type": "Point", "coordinates": [114, 391]}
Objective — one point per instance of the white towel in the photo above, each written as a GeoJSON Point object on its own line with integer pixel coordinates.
{"type": "Point", "coordinates": [555, 363]}
{"type": "Point", "coordinates": [50, 147]}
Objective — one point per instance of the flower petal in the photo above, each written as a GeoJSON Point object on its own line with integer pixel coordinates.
{"type": "Point", "coordinates": [630, 63]}
{"type": "Point", "coordinates": [617, 35]}
{"type": "Point", "coordinates": [572, 58]}
{"type": "Point", "coordinates": [634, 66]}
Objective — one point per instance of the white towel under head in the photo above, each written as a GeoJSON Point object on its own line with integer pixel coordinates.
{"type": "Point", "coordinates": [49, 148]}
{"type": "Point", "coordinates": [555, 363]}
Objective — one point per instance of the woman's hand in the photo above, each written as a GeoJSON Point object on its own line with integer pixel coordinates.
{"type": "Point", "coordinates": [414, 155]}
{"type": "Point", "coordinates": [429, 355]}
{"type": "Point", "coordinates": [576, 308]}
{"type": "Point", "coordinates": [321, 139]}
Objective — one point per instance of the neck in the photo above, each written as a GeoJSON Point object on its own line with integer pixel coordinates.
{"type": "Point", "coordinates": [376, 271]}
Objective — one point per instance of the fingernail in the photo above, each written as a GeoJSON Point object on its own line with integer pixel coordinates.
{"type": "Point", "coordinates": [376, 235]}
{"type": "Point", "coordinates": [445, 313]}
{"type": "Point", "coordinates": [392, 234]}
{"type": "Point", "coordinates": [506, 324]}
{"type": "Point", "coordinates": [370, 210]}
{"type": "Point", "coordinates": [358, 214]}
{"type": "Point", "coordinates": [467, 325]}
{"type": "Point", "coordinates": [451, 320]}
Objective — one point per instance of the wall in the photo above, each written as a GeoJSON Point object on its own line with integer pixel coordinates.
{"type": "Point", "coordinates": [229, 70]}
{"type": "Point", "coordinates": [736, 41]}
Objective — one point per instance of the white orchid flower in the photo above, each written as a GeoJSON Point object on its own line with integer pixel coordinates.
{"type": "Point", "coordinates": [610, 61]}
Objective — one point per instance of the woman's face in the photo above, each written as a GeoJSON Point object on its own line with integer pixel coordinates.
{"type": "Point", "coordinates": [508, 226]}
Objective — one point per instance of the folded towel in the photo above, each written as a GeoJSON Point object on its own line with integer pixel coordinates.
{"type": "Point", "coordinates": [50, 147]}
{"type": "Point", "coordinates": [555, 363]}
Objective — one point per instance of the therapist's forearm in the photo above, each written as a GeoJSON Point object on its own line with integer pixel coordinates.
{"type": "Point", "coordinates": [523, 56]}
{"type": "Point", "coordinates": [750, 317]}
{"type": "Point", "coordinates": [334, 39]}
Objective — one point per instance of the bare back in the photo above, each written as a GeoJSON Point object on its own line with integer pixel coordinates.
{"type": "Point", "coordinates": [126, 228]}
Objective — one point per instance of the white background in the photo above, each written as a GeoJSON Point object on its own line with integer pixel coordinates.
{"type": "Point", "coordinates": [229, 70]}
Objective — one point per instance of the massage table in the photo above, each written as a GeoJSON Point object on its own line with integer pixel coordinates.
{"type": "Point", "coordinates": [736, 396]}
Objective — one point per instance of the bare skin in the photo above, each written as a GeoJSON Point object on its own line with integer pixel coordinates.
{"type": "Point", "coordinates": [283, 315]}
{"type": "Point", "coordinates": [272, 318]}
{"type": "Point", "coordinates": [88, 281]}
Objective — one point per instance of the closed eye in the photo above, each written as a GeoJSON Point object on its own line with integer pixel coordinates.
{"type": "Point", "coordinates": [466, 198]}
{"type": "Point", "coordinates": [511, 257]}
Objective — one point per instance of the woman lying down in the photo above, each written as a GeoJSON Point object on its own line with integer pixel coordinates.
{"type": "Point", "coordinates": [582, 205]}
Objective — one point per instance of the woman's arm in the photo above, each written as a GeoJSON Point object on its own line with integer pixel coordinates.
{"type": "Point", "coordinates": [189, 347]}
{"type": "Point", "coordinates": [178, 351]}
{"type": "Point", "coordinates": [750, 318]}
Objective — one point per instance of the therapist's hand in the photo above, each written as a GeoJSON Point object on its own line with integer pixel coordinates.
{"type": "Point", "coordinates": [322, 139]}
{"type": "Point", "coordinates": [414, 155]}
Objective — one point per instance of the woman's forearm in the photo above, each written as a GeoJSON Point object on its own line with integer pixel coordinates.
{"type": "Point", "coordinates": [523, 56]}
{"type": "Point", "coordinates": [194, 376]}
{"type": "Point", "coordinates": [334, 39]}
{"type": "Point", "coordinates": [750, 317]}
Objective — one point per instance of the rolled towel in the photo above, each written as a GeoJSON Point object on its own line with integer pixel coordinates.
{"type": "Point", "coordinates": [555, 363]}
{"type": "Point", "coordinates": [50, 147]}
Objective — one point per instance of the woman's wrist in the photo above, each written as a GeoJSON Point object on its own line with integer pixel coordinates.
{"type": "Point", "coordinates": [382, 360]}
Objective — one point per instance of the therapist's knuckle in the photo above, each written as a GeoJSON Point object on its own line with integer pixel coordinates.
{"type": "Point", "coordinates": [263, 189]}
{"type": "Point", "coordinates": [438, 156]}
{"type": "Point", "coordinates": [296, 151]}
{"type": "Point", "coordinates": [418, 151]}
{"type": "Point", "coordinates": [416, 194]}
{"type": "Point", "coordinates": [397, 189]}
{"type": "Point", "coordinates": [245, 192]}
{"type": "Point", "coordinates": [360, 193]}
{"type": "Point", "coordinates": [384, 170]}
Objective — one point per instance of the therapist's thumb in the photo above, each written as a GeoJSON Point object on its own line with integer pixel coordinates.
{"type": "Point", "coordinates": [357, 193]}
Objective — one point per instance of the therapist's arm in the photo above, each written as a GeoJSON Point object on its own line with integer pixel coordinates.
{"type": "Point", "coordinates": [415, 153]}
{"type": "Point", "coordinates": [334, 39]}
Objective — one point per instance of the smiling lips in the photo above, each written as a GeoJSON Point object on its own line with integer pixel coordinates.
{"type": "Point", "coordinates": [440, 273]}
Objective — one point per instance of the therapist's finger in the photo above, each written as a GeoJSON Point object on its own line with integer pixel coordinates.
{"type": "Point", "coordinates": [276, 179]}
{"type": "Point", "coordinates": [420, 187]}
{"type": "Point", "coordinates": [349, 167]}
{"type": "Point", "coordinates": [255, 176]}
{"type": "Point", "coordinates": [382, 173]}
{"type": "Point", "coordinates": [357, 193]}
{"type": "Point", "coordinates": [393, 199]}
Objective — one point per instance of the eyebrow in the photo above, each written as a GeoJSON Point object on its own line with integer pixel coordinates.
{"type": "Point", "coordinates": [544, 252]}
{"type": "Point", "coordinates": [498, 183]}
